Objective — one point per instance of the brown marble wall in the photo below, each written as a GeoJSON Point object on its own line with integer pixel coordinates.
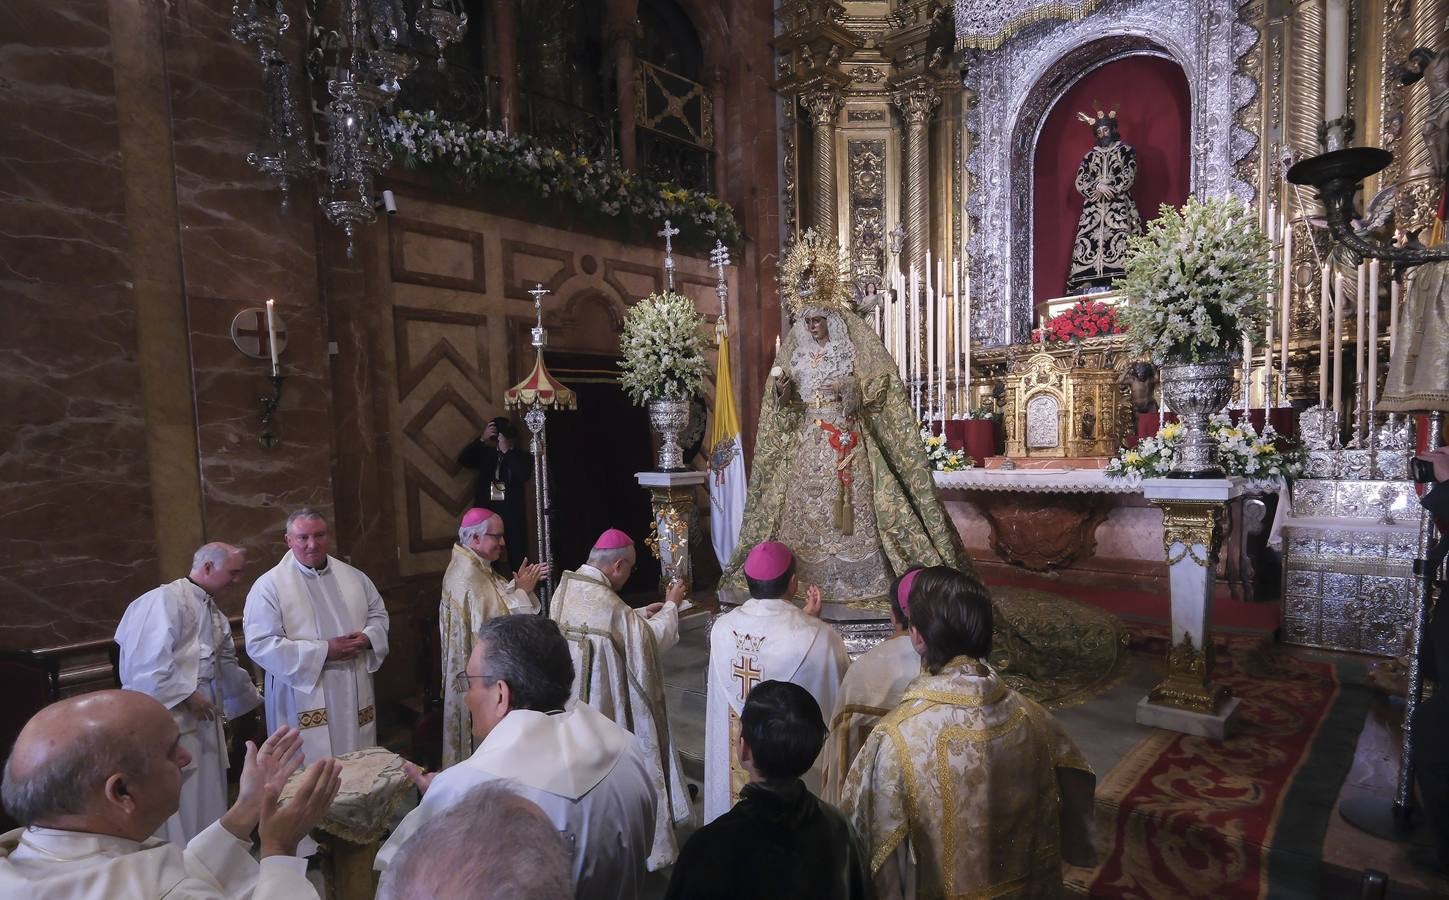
{"type": "Point", "coordinates": [75, 525]}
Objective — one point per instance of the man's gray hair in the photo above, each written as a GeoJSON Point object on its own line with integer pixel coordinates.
{"type": "Point", "coordinates": [531, 655]}
{"type": "Point", "coordinates": [491, 844]}
{"type": "Point", "coordinates": [303, 512]}
{"type": "Point", "coordinates": [600, 558]}
{"type": "Point", "coordinates": [215, 553]}
{"type": "Point", "coordinates": [71, 777]}
{"type": "Point", "coordinates": [468, 532]}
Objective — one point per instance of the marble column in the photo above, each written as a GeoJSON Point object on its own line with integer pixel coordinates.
{"type": "Point", "coordinates": [916, 105]}
{"type": "Point", "coordinates": [1187, 700]}
{"type": "Point", "coordinates": [824, 106]}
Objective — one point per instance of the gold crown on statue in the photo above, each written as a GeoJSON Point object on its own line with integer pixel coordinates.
{"type": "Point", "coordinates": [813, 276]}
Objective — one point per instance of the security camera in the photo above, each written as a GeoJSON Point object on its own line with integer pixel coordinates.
{"type": "Point", "coordinates": [389, 203]}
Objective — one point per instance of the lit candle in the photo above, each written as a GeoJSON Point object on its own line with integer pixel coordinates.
{"type": "Point", "coordinates": [1335, 67]}
{"type": "Point", "coordinates": [1372, 349]}
{"type": "Point", "coordinates": [272, 335]}
{"type": "Point", "coordinates": [1324, 363]}
{"type": "Point", "coordinates": [956, 332]}
{"type": "Point", "coordinates": [1338, 343]}
{"type": "Point", "coordinates": [1393, 314]}
{"type": "Point", "coordinates": [966, 338]}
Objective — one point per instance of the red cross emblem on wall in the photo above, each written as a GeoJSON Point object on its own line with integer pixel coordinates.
{"type": "Point", "coordinates": [747, 673]}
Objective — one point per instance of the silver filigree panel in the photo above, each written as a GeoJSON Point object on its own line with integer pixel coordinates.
{"type": "Point", "coordinates": [1043, 422]}
{"type": "Point", "coordinates": [1016, 85]}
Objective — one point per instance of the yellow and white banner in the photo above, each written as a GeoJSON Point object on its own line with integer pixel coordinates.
{"type": "Point", "coordinates": [726, 461]}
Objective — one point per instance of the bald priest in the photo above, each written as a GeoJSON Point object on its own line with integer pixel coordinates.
{"type": "Point", "coordinates": [473, 594]}
{"type": "Point", "coordinates": [616, 651]}
{"type": "Point", "coordinates": [768, 638]}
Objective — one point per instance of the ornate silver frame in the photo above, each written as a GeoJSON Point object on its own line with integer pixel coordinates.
{"type": "Point", "coordinates": [1018, 83]}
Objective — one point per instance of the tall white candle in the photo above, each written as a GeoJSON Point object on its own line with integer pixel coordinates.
{"type": "Point", "coordinates": [1247, 373]}
{"type": "Point", "coordinates": [1360, 343]}
{"type": "Point", "coordinates": [272, 335]}
{"type": "Point", "coordinates": [966, 338]}
{"type": "Point", "coordinates": [1286, 307]}
{"type": "Point", "coordinates": [1269, 321]}
{"type": "Point", "coordinates": [1335, 60]}
{"type": "Point", "coordinates": [942, 306]}
{"type": "Point", "coordinates": [1325, 364]}
{"type": "Point", "coordinates": [915, 338]}
{"type": "Point", "coordinates": [1372, 348]}
{"type": "Point", "coordinates": [928, 357]}
{"type": "Point", "coordinates": [956, 332]}
{"type": "Point", "coordinates": [1393, 314]}
{"type": "Point", "coordinates": [1338, 344]}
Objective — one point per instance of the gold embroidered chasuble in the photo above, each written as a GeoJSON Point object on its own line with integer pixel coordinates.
{"type": "Point", "coordinates": [872, 687]}
{"type": "Point", "coordinates": [472, 594]}
{"type": "Point", "coordinates": [617, 672]}
{"type": "Point", "coordinates": [955, 792]}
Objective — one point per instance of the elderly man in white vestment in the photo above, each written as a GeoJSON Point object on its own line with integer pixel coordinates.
{"type": "Point", "coordinates": [768, 638]}
{"type": "Point", "coordinates": [581, 769]}
{"type": "Point", "coordinates": [873, 687]}
{"type": "Point", "coordinates": [92, 778]}
{"type": "Point", "coordinates": [176, 647]}
{"type": "Point", "coordinates": [318, 628]}
{"type": "Point", "coordinates": [967, 788]}
{"type": "Point", "coordinates": [472, 594]}
{"type": "Point", "coordinates": [616, 651]}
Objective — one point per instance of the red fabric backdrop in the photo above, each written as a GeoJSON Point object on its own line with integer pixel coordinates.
{"type": "Point", "coordinates": [1154, 114]}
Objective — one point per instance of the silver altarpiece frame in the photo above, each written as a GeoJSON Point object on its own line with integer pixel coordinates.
{"type": "Point", "coordinates": [1018, 83]}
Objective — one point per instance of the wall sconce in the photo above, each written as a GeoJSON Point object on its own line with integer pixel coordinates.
{"type": "Point", "coordinates": [259, 333]}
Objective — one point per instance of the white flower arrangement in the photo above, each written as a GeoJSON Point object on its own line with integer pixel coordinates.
{"type": "Point", "coordinates": [422, 138]}
{"type": "Point", "coordinates": [663, 352]}
{"type": "Point", "coordinates": [1242, 451]}
{"type": "Point", "coordinates": [941, 457]}
{"type": "Point", "coordinates": [1195, 282]}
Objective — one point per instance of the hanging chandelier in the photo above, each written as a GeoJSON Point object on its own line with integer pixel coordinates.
{"type": "Point", "coordinates": [371, 60]}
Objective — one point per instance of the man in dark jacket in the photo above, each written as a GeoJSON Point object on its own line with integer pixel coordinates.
{"type": "Point", "coordinates": [503, 474]}
{"type": "Point", "coordinates": [779, 840]}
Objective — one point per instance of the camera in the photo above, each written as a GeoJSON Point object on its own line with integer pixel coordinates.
{"type": "Point", "coordinates": [1423, 471]}
{"type": "Point", "coordinates": [389, 203]}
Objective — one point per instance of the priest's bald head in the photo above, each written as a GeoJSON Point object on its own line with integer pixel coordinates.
{"type": "Point", "coordinates": [614, 555]}
{"type": "Point", "coordinates": [217, 566]}
{"type": "Point", "coordinates": [108, 762]}
{"type": "Point", "coordinates": [522, 857]}
{"type": "Point", "coordinates": [518, 662]}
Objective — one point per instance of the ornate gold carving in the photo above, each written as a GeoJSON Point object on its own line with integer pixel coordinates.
{"type": "Point", "coordinates": [1086, 399]}
{"type": "Point", "coordinates": [823, 104]}
{"type": "Point", "coordinates": [916, 103]}
{"type": "Point", "coordinates": [1188, 685]}
{"type": "Point", "coordinates": [365, 716]}
{"type": "Point", "coordinates": [866, 168]}
{"type": "Point", "coordinates": [865, 115]}
{"type": "Point", "coordinates": [1190, 525]}
{"type": "Point", "coordinates": [867, 74]}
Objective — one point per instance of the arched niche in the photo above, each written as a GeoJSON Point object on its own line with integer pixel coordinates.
{"type": "Point", "coordinates": [1153, 100]}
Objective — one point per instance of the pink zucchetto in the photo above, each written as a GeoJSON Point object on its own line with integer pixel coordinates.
{"type": "Point", "coordinates": [768, 561]}
{"type": "Point", "coordinates": [613, 539]}
{"type": "Point", "coordinates": [476, 516]}
{"type": "Point", "coordinates": [903, 594]}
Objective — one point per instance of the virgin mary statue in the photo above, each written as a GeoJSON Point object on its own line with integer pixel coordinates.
{"type": "Point", "coordinates": [840, 477]}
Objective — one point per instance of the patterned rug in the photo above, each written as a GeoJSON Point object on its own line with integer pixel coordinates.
{"type": "Point", "coordinates": [1184, 816]}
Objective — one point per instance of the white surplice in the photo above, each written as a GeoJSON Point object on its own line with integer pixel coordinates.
{"type": "Point", "coordinates": [587, 776]}
{"type": "Point", "coordinates": [873, 687]}
{"type": "Point", "coordinates": [175, 642]}
{"type": "Point", "coordinates": [616, 653]}
{"type": "Point", "coordinates": [49, 864]}
{"type": "Point", "coordinates": [762, 640]}
{"type": "Point", "coordinates": [290, 614]}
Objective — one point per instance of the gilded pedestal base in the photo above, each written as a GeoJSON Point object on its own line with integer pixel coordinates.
{"type": "Point", "coordinates": [671, 496]}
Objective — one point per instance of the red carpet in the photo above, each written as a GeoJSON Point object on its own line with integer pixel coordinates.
{"type": "Point", "coordinates": [1183, 816]}
{"type": "Point", "coordinates": [1141, 605]}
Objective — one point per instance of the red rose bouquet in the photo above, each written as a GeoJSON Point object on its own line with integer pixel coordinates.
{"type": "Point", "coordinates": [1085, 319]}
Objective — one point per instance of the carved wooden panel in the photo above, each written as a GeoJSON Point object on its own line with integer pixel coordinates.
{"type": "Point", "coordinates": [435, 255]}
{"type": "Point", "coordinates": [525, 265]}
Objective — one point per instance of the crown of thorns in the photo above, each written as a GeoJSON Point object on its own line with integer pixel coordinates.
{"type": "Point", "coordinates": [1108, 118]}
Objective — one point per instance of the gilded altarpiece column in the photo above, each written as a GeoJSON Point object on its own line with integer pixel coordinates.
{"type": "Point", "coordinates": [916, 104]}
{"type": "Point", "coordinates": [824, 108]}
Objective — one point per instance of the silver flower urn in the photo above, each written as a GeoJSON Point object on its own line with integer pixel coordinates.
{"type": "Point", "coordinates": [670, 418]}
{"type": "Point", "coordinates": [1195, 391]}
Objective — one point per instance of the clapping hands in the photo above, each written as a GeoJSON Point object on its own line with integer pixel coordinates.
{"type": "Point", "coordinates": [527, 576]}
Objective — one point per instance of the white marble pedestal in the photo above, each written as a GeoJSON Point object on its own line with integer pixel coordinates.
{"type": "Point", "coordinates": [671, 495]}
{"type": "Point", "coordinates": [1187, 700]}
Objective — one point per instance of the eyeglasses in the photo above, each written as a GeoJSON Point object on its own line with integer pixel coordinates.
{"type": "Point", "coordinates": [461, 680]}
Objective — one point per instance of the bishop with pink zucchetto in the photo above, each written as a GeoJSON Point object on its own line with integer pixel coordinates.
{"type": "Point", "coordinates": [768, 638]}
{"type": "Point", "coordinates": [473, 593]}
{"type": "Point", "coordinates": [616, 652]}
{"type": "Point", "coordinates": [873, 687]}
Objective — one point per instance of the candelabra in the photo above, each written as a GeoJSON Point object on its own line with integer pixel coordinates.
{"type": "Point", "coordinates": [282, 152]}
{"type": "Point", "coordinates": [268, 436]}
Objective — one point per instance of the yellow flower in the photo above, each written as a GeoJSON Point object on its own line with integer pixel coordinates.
{"type": "Point", "coordinates": [1132, 458]}
{"type": "Point", "coordinates": [1170, 431]}
{"type": "Point", "coordinates": [1264, 449]}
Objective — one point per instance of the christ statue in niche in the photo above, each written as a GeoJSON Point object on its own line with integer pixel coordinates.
{"type": "Point", "coordinates": [1109, 217]}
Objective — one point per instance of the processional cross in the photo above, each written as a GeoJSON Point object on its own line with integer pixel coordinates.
{"type": "Point", "coordinates": [668, 234]}
{"type": "Point", "coordinates": [719, 257]}
{"type": "Point", "coordinates": [538, 292]}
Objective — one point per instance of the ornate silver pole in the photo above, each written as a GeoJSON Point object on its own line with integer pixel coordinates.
{"type": "Point", "coordinates": [1404, 795]}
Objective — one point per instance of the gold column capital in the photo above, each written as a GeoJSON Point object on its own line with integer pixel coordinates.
{"type": "Point", "coordinates": [916, 102]}
{"type": "Point", "coordinates": [1190, 523]}
{"type": "Point", "coordinates": [823, 104]}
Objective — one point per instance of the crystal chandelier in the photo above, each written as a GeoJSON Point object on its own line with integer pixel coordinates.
{"type": "Point", "coordinates": [372, 59]}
